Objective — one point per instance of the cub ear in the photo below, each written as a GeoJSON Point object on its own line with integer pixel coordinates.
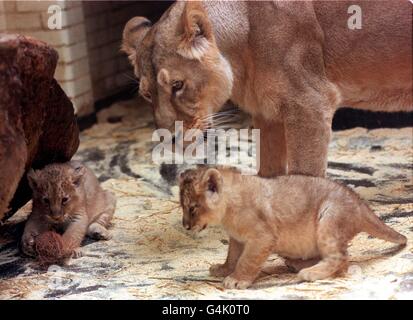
{"type": "Point", "coordinates": [181, 178]}
{"type": "Point", "coordinates": [133, 34]}
{"type": "Point", "coordinates": [78, 172]}
{"type": "Point", "coordinates": [212, 181]}
{"type": "Point", "coordinates": [32, 177]}
{"type": "Point", "coordinates": [197, 34]}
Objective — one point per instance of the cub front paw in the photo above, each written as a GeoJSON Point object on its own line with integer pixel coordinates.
{"type": "Point", "coordinates": [233, 283]}
{"type": "Point", "coordinates": [27, 246]}
{"type": "Point", "coordinates": [219, 270]}
{"type": "Point", "coordinates": [76, 253]}
{"type": "Point", "coordinates": [310, 275]}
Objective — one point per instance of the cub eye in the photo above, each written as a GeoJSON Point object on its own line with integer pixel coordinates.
{"type": "Point", "coordinates": [46, 200]}
{"type": "Point", "coordinates": [65, 200]}
{"type": "Point", "coordinates": [192, 211]}
{"type": "Point", "coordinates": [177, 85]}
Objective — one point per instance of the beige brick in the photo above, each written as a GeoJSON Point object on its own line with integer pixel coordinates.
{"type": "Point", "coordinates": [42, 6]}
{"type": "Point", "coordinates": [3, 25]}
{"type": "Point", "coordinates": [72, 53]}
{"type": "Point", "coordinates": [83, 104]}
{"type": "Point", "coordinates": [8, 6]}
{"type": "Point", "coordinates": [23, 21]}
{"type": "Point", "coordinates": [74, 88]}
{"type": "Point", "coordinates": [61, 37]}
{"type": "Point", "coordinates": [33, 6]}
{"type": "Point", "coordinates": [70, 17]}
{"type": "Point", "coordinates": [65, 72]}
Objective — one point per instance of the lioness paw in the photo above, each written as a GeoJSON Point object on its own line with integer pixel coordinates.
{"type": "Point", "coordinates": [233, 283]}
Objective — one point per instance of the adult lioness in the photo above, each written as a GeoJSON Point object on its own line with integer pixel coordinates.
{"type": "Point", "coordinates": [289, 64]}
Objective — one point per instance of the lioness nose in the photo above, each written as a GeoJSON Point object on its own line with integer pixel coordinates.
{"type": "Point", "coordinates": [186, 225]}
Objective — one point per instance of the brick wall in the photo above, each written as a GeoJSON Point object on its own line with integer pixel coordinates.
{"type": "Point", "coordinates": [90, 65]}
{"type": "Point", "coordinates": [30, 18]}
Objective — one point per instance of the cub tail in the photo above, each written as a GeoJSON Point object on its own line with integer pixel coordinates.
{"type": "Point", "coordinates": [377, 228]}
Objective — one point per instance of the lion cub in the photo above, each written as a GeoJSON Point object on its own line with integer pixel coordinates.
{"type": "Point", "coordinates": [67, 198]}
{"type": "Point", "coordinates": [306, 220]}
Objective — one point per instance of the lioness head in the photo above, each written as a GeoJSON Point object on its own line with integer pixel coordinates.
{"type": "Point", "coordinates": [181, 71]}
{"type": "Point", "coordinates": [201, 198]}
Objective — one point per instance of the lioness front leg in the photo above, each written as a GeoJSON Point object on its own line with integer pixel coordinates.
{"type": "Point", "coordinates": [308, 135]}
{"type": "Point", "coordinates": [249, 264]}
{"type": "Point", "coordinates": [273, 152]}
{"type": "Point", "coordinates": [235, 249]}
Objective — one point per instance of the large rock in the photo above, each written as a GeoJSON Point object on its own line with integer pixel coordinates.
{"type": "Point", "coordinates": [37, 121]}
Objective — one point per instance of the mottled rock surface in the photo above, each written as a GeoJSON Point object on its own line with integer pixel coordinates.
{"type": "Point", "coordinates": [151, 256]}
{"type": "Point", "coordinates": [37, 122]}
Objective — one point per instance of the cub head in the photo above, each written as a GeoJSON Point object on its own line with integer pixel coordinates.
{"type": "Point", "coordinates": [182, 73]}
{"type": "Point", "coordinates": [201, 198]}
{"type": "Point", "coordinates": [56, 189]}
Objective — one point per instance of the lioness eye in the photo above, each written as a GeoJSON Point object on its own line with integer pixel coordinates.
{"type": "Point", "coordinates": [46, 200]}
{"type": "Point", "coordinates": [65, 200]}
{"type": "Point", "coordinates": [177, 85]}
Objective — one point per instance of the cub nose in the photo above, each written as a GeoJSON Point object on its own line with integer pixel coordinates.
{"type": "Point", "coordinates": [186, 225]}
{"type": "Point", "coordinates": [55, 213]}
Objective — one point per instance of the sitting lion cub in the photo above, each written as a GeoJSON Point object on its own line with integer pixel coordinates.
{"type": "Point", "coordinates": [67, 198]}
{"type": "Point", "coordinates": [306, 220]}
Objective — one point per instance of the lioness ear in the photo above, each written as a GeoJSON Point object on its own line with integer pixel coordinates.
{"type": "Point", "coordinates": [133, 34]}
{"type": "Point", "coordinates": [197, 34]}
{"type": "Point", "coordinates": [163, 78]}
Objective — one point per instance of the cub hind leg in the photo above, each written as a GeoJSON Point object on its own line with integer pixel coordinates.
{"type": "Point", "coordinates": [333, 235]}
{"type": "Point", "coordinates": [296, 265]}
{"type": "Point", "coordinates": [98, 229]}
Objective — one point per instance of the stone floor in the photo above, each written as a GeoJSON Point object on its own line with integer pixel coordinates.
{"type": "Point", "coordinates": [152, 257]}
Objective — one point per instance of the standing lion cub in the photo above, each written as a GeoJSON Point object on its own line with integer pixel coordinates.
{"type": "Point", "coordinates": [306, 220]}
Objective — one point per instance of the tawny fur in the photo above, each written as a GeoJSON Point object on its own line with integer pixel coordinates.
{"type": "Point", "coordinates": [290, 64]}
{"type": "Point", "coordinates": [68, 198]}
{"type": "Point", "coordinates": [306, 220]}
